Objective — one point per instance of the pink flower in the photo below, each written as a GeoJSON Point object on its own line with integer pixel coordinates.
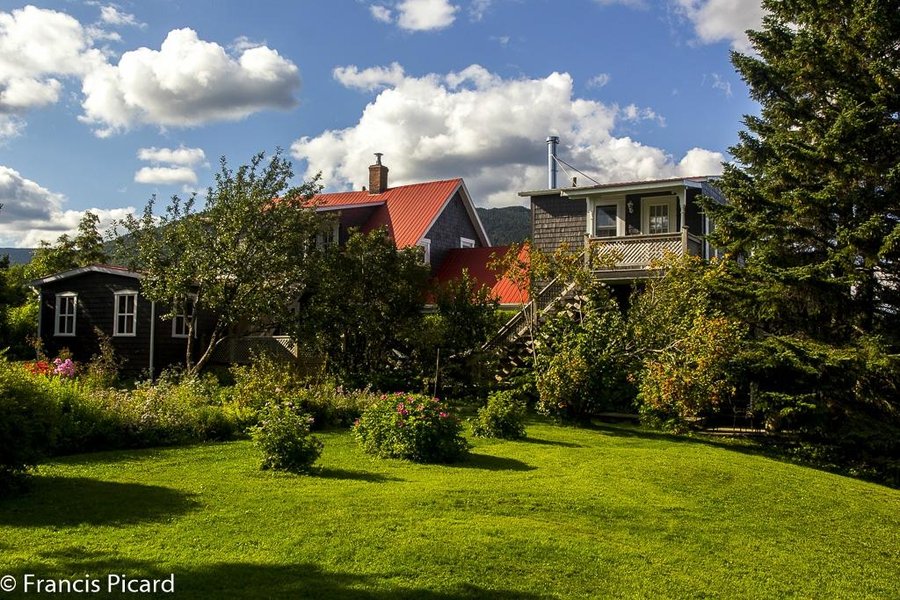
{"type": "Point", "coordinates": [64, 368]}
{"type": "Point", "coordinates": [443, 415]}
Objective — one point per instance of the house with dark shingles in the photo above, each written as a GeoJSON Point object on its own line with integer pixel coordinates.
{"type": "Point", "coordinates": [437, 216]}
{"type": "Point", "coordinates": [637, 222]}
{"type": "Point", "coordinates": [76, 304]}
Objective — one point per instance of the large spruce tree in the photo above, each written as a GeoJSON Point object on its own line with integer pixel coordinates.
{"type": "Point", "coordinates": [815, 190]}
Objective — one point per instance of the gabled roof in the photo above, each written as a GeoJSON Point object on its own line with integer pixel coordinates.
{"type": "Point", "coordinates": [475, 261]}
{"type": "Point", "coordinates": [108, 269]}
{"type": "Point", "coordinates": [408, 211]}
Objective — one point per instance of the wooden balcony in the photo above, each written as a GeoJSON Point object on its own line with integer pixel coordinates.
{"type": "Point", "coordinates": [632, 257]}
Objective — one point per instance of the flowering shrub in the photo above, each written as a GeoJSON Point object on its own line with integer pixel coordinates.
{"type": "Point", "coordinates": [28, 420]}
{"type": "Point", "coordinates": [283, 437]}
{"type": "Point", "coordinates": [38, 367]}
{"type": "Point", "coordinates": [64, 368]}
{"type": "Point", "coordinates": [503, 417]}
{"type": "Point", "coordinates": [411, 426]}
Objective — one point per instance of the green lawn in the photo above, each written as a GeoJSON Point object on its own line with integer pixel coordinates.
{"type": "Point", "coordinates": [569, 513]}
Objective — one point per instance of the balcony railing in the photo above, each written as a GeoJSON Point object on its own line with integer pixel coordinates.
{"type": "Point", "coordinates": [639, 252]}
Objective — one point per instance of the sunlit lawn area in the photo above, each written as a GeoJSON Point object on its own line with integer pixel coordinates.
{"type": "Point", "coordinates": [569, 513]}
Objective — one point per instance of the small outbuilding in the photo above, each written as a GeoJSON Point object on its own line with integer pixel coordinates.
{"type": "Point", "coordinates": [79, 306]}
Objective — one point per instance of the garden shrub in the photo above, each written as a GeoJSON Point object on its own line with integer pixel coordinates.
{"type": "Point", "coordinates": [167, 412]}
{"type": "Point", "coordinates": [693, 377]}
{"type": "Point", "coordinates": [502, 417]}
{"type": "Point", "coordinates": [29, 420]}
{"type": "Point", "coordinates": [413, 427]}
{"type": "Point", "coordinates": [584, 363]}
{"type": "Point", "coordinates": [265, 381]}
{"type": "Point", "coordinates": [333, 406]}
{"type": "Point", "coordinates": [284, 439]}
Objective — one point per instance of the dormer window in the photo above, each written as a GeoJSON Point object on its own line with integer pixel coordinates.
{"type": "Point", "coordinates": [466, 243]}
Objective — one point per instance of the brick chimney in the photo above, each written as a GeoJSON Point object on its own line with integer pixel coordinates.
{"type": "Point", "coordinates": [377, 176]}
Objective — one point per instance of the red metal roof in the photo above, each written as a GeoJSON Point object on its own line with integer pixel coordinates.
{"type": "Point", "coordinates": [475, 261]}
{"type": "Point", "coordinates": [407, 210]}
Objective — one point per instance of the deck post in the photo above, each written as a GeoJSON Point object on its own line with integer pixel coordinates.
{"type": "Point", "coordinates": [587, 251]}
{"type": "Point", "coordinates": [684, 241]}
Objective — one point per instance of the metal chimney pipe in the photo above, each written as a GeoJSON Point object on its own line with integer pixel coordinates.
{"type": "Point", "coordinates": [552, 141]}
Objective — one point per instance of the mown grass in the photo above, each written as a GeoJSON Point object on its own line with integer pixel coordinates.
{"type": "Point", "coordinates": [568, 513]}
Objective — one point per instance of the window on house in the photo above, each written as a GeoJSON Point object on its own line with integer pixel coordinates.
{"type": "Point", "coordinates": [126, 313]}
{"type": "Point", "coordinates": [659, 218]}
{"type": "Point", "coordinates": [65, 313]}
{"type": "Point", "coordinates": [328, 236]}
{"type": "Point", "coordinates": [184, 313]}
{"type": "Point", "coordinates": [605, 222]}
{"type": "Point", "coordinates": [425, 245]}
{"type": "Point", "coordinates": [466, 243]}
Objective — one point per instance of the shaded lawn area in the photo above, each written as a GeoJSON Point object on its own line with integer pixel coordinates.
{"type": "Point", "coordinates": [569, 513]}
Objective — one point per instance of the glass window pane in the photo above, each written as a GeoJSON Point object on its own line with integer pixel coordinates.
{"type": "Point", "coordinates": [605, 221]}
{"type": "Point", "coordinates": [659, 218]}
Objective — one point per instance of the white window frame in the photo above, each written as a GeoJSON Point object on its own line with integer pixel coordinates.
{"type": "Point", "coordinates": [58, 314]}
{"type": "Point", "coordinates": [646, 203]}
{"type": "Point", "coordinates": [425, 244]}
{"type": "Point", "coordinates": [183, 317]}
{"type": "Point", "coordinates": [466, 242]}
{"type": "Point", "coordinates": [117, 314]}
{"type": "Point", "coordinates": [593, 203]}
{"type": "Point", "coordinates": [335, 230]}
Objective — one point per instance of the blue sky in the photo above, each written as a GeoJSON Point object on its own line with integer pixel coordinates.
{"type": "Point", "coordinates": [103, 104]}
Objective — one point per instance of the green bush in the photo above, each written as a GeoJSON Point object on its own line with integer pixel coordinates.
{"type": "Point", "coordinates": [331, 405]}
{"type": "Point", "coordinates": [167, 412]}
{"type": "Point", "coordinates": [584, 363]}
{"type": "Point", "coordinates": [691, 379]}
{"type": "Point", "coordinates": [503, 417]}
{"type": "Point", "coordinates": [266, 381]}
{"type": "Point", "coordinates": [283, 437]}
{"type": "Point", "coordinates": [29, 420]}
{"type": "Point", "coordinates": [413, 427]}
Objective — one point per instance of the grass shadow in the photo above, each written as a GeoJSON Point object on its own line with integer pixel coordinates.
{"type": "Point", "coordinates": [348, 474]}
{"type": "Point", "coordinates": [772, 449]}
{"type": "Point", "coordinates": [492, 463]}
{"type": "Point", "coordinates": [540, 442]}
{"type": "Point", "coordinates": [71, 501]}
{"type": "Point", "coordinates": [245, 580]}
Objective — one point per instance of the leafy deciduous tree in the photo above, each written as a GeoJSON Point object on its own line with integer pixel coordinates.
{"type": "Point", "coordinates": [243, 259]}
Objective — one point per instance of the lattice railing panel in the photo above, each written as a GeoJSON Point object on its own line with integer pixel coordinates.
{"type": "Point", "coordinates": [635, 252]}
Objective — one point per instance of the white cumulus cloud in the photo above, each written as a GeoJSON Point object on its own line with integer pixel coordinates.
{"type": "Point", "coordinates": [188, 157]}
{"type": "Point", "coordinates": [186, 82]}
{"type": "Point", "coordinates": [425, 15]}
{"type": "Point", "coordinates": [37, 48]}
{"type": "Point", "coordinates": [489, 130]}
{"type": "Point", "coordinates": [111, 15]}
{"type": "Point", "coordinates": [369, 79]}
{"type": "Point", "coordinates": [381, 13]}
{"type": "Point", "coordinates": [723, 20]}
{"type": "Point", "coordinates": [32, 213]}
{"type": "Point", "coordinates": [171, 166]}
{"type": "Point", "coordinates": [166, 175]}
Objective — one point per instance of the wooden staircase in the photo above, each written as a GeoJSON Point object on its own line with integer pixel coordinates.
{"type": "Point", "coordinates": [513, 342]}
